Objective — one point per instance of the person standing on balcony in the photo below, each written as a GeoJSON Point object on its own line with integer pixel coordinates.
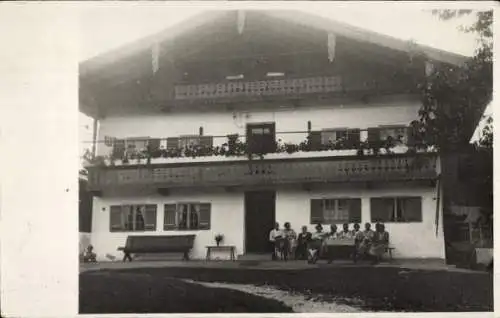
{"type": "Point", "coordinates": [274, 237]}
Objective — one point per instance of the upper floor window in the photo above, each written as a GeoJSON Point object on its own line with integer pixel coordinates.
{"type": "Point", "coordinates": [397, 134]}
{"type": "Point", "coordinates": [189, 140]}
{"type": "Point", "coordinates": [275, 74]}
{"type": "Point", "coordinates": [129, 145]}
{"type": "Point", "coordinates": [329, 136]}
{"type": "Point", "coordinates": [235, 77]}
{"type": "Point", "coordinates": [398, 209]}
{"type": "Point", "coordinates": [187, 216]}
{"type": "Point", "coordinates": [335, 211]}
{"type": "Point", "coordinates": [132, 218]}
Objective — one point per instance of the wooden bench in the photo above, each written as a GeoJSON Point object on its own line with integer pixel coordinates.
{"type": "Point", "coordinates": [141, 244]}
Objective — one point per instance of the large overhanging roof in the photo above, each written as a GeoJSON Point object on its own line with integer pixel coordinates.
{"type": "Point", "coordinates": [301, 18]}
{"type": "Point", "coordinates": [171, 38]}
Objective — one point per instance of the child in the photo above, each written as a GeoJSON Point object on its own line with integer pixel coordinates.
{"type": "Point", "coordinates": [89, 256]}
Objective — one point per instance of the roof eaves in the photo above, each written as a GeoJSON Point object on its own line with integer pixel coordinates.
{"type": "Point", "coordinates": [96, 63]}
{"type": "Point", "coordinates": [364, 35]}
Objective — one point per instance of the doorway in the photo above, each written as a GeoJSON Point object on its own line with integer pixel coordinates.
{"type": "Point", "coordinates": [260, 216]}
{"type": "Point", "coordinates": [261, 138]}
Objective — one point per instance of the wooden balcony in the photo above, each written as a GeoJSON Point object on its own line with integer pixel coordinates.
{"type": "Point", "coordinates": [283, 88]}
{"type": "Point", "coordinates": [267, 172]}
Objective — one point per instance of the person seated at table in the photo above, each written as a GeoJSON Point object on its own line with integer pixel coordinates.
{"type": "Point", "coordinates": [302, 241]}
{"type": "Point", "coordinates": [289, 244]}
{"type": "Point", "coordinates": [329, 240]}
{"type": "Point", "coordinates": [345, 234]}
{"type": "Point", "coordinates": [89, 255]}
{"type": "Point", "coordinates": [366, 242]}
{"type": "Point", "coordinates": [356, 230]}
{"type": "Point", "coordinates": [275, 237]}
{"type": "Point", "coordinates": [315, 244]}
{"type": "Point", "coordinates": [380, 243]}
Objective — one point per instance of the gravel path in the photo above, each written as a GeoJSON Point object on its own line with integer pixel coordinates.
{"type": "Point", "coordinates": [297, 301]}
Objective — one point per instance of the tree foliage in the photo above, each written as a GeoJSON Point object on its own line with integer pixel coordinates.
{"type": "Point", "coordinates": [454, 97]}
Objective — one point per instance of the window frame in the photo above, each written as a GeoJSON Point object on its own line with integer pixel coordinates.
{"type": "Point", "coordinates": [397, 141]}
{"type": "Point", "coordinates": [327, 131]}
{"type": "Point", "coordinates": [186, 141]}
{"type": "Point", "coordinates": [336, 204]}
{"type": "Point", "coordinates": [190, 205]}
{"type": "Point", "coordinates": [395, 211]}
{"type": "Point", "coordinates": [124, 215]}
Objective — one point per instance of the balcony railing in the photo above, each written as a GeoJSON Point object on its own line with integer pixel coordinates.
{"type": "Point", "coordinates": [286, 87]}
{"type": "Point", "coordinates": [268, 172]}
{"type": "Point", "coordinates": [328, 142]}
{"type": "Point", "coordinates": [258, 88]}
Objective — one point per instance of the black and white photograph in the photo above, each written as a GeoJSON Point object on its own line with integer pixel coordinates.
{"type": "Point", "coordinates": [319, 158]}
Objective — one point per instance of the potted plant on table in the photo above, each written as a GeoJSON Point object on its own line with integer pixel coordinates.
{"type": "Point", "coordinates": [219, 238]}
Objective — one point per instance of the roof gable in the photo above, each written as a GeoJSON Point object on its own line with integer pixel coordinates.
{"type": "Point", "coordinates": [209, 21]}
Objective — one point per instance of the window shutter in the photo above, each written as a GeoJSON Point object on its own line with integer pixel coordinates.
{"type": "Point", "coordinates": [410, 132]}
{"type": "Point", "coordinates": [153, 145]}
{"type": "Point", "coordinates": [316, 211]}
{"type": "Point", "coordinates": [204, 220]}
{"type": "Point", "coordinates": [172, 143]}
{"type": "Point", "coordinates": [353, 136]}
{"type": "Point", "coordinates": [315, 140]}
{"type": "Point", "coordinates": [354, 210]}
{"type": "Point", "coordinates": [150, 217]}
{"type": "Point", "coordinates": [206, 141]}
{"type": "Point", "coordinates": [119, 148]}
{"type": "Point", "coordinates": [108, 141]}
{"type": "Point", "coordinates": [373, 134]}
{"type": "Point", "coordinates": [411, 209]}
{"type": "Point", "coordinates": [115, 218]}
{"type": "Point", "coordinates": [169, 218]}
{"type": "Point", "coordinates": [382, 209]}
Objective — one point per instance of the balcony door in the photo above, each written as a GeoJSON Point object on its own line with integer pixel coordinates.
{"type": "Point", "coordinates": [261, 137]}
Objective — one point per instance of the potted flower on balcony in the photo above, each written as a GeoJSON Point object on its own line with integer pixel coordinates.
{"type": "Point", "coordinates": [218, 239]}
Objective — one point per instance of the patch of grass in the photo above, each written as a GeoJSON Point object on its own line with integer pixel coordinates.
{"type": "Point", "coordinates": [380, 288]}
{"type": "Point", "coordinates": [117, 292]}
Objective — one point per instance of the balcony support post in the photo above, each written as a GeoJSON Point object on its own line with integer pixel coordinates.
{"type": "Point", "coordinates": [94, 137]}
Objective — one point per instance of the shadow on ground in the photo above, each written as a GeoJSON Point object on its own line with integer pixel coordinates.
{"type": "Point", "coordinates": [105, 292]}
{"type": "Point", "coordinates": [155, 290]}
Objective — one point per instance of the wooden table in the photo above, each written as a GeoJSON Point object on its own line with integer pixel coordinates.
{"type": "Point", "coordinates": [229, 248]}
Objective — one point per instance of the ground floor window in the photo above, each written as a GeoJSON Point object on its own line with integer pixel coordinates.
{"type": "Point", "coordinates": [399, 209]}
{"type": "Point", "coordinates": [335, 211]}
{"type": "Point", "coordinates": [137, 217]}
{"type": "Point", "coordinates": [187, 216]}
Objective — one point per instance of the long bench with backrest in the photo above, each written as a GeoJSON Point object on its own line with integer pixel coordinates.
{"type": "Point", "coordinates": [142, 244]}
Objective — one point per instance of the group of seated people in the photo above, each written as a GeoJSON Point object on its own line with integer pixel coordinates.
{"type": "Point", "coordinates": [366, 244]}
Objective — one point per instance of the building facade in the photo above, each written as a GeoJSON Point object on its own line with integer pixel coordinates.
{"type": "Point", "coordinates": [84, 213]}
{"type": "Point", "coordinates": [236, 120]}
